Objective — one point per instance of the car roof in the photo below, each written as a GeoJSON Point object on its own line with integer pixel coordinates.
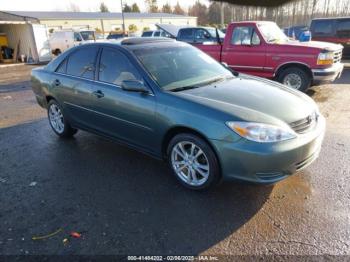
{"type": "Point", "coordinates": [331, 18]}
{"type": "Point", "coordinates": [130, 44]}
{"type": "Point", "coordinates": [135, 42]}
{"type": "Point", "coordinates": [144, 40]}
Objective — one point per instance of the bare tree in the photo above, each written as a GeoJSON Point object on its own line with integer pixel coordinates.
{"type": "Point", "coordinates": [73, 7]}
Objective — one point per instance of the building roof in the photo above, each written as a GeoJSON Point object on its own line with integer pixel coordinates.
{"type": "Point", "coordinates": [54, 15]}
{"type": "Point", "coordinates": [11, 17]}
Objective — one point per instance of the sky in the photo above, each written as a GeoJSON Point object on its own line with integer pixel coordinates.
{"type": "Point", "coordinates": [84, 5]}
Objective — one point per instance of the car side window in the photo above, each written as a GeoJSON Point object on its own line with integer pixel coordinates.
{"type": "Point", "coordinates": [62, 67]}
{"type": "Point", "coordinates": [164, 34]}
{"type": "Point", "coordinates": [115, 67]}
{"type": "Point", "coordinates": [157, 33]}
{"type": "Point", "coordinates": [245, 35]}
{"type": "Point", "coordinates": [255, 38]}
{"type": "Point", "coordinates": [147, 34]}
{"type": "Point", "coordinates": [77, 37]}
{"type": "Point", "coordinates": [186, 35]}
{"type": "Point", "coordinates": [322, 28]}
{"type": "Point", "coordinates": [82, 62]}
{"type": "Point", "coordinates": [343, 28]}
{"type": "Point", "coordinates": [201, 35]}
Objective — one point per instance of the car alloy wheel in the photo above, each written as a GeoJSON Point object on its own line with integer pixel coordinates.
{"type": "Point", "coordinates": [56, 118]}
{"type": "Point", "coordinates": [293, 80]}
{"type": "Point", "coordinates": [190, 163]}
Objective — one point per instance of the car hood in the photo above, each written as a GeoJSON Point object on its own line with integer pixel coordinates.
{"type": "Point", "coordinates": [315, 44]}
{"type": "Point", "coordinates": [254, 99]}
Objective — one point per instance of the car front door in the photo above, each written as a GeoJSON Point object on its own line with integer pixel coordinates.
{"type": "Point", "coordinates": [186, 35]}
{"type": "Point", "coordinates": [126, 115]}
{"type": "Point", "coordinates": [245, 51]}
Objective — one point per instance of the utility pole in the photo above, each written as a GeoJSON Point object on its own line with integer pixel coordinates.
{"type": "Point", "coordinates": [121, 4]}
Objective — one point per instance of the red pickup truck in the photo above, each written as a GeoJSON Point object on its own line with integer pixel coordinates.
{"type": "Point", "coordinates": [262, 49]}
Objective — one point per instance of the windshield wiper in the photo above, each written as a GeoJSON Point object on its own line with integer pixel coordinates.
{"type": "Point", "coordinates": [208, 82]}
{"type": "Point", "coordinates": [181, 88]}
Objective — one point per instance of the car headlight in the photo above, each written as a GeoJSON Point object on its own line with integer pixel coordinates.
{"type": "Point", "coordinates": [325, 58]}
{"type": "Point", "coordinates": [262, 133]}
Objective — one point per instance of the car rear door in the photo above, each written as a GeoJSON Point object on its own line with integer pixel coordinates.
{"type": "Point", "coordinates": [245, 50]}
{"type": "Point", "coordinates": [126, 115]}
{"type": "Point", "coordinates": [73, 84]}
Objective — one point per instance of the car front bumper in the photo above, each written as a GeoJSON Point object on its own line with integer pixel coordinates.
{"type": "Point", "coordinates": [327, 74]}
{"type": "Point", "coordinates": [268, 163]}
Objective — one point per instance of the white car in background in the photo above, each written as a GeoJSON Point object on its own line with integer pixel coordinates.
{"type": "Point", "coordinates": [62, 40]}
{"type": "Point", "coordinates": [155, 33]}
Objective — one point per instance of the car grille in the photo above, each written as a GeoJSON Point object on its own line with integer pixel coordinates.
{"type": "Point", "coordinates": [306, 124]}
{"type": "Point", "coordinates": [337, 56]}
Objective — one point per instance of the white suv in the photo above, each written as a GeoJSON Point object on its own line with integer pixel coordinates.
{"type": "Point", "coordinates": [155, 33]}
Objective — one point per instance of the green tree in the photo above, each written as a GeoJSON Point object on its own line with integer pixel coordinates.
{"type": "Point", "coordinates": [166, 8]}
{"type": "Point", "coordinates": [103, 8]}
{"type": "Point", "coordinates": [178, 10]}
{"type": "Point", "coordinates": [135, 8]}
{"type": "Point", "coordinates": [132, 28]}
{"type": "Point", "coordinates": [127, 8]}
{"type": "Point", "coordinates": [152, 6]}
{"type": "Point", "coordinates": [146, 28]}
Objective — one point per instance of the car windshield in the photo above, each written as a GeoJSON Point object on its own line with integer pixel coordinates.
{"type": "Point", "coordinates": [272, 33]}
{"type": "Point", "coordinates": [181, 67]}
{"type": "Point", "coordinates": [87, 35]}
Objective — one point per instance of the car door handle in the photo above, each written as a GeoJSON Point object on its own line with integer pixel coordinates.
{"type": "Point", "coordinates": [57, 82]}
{"type": "Point", "coordinates": [98, 93]}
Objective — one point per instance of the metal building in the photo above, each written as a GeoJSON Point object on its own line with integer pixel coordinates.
{"type": "Point", "coordinates": [25, 36]}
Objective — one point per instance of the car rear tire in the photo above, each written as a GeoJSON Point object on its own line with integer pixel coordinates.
{"type": "Point", "coordinates": [193, 162]}
{"type": "Point", "coordinates": [57, 120]}
{"type": "Point", "coordinates": [296, 78]}
{"type": "Point", "coordinates": [57, 52]}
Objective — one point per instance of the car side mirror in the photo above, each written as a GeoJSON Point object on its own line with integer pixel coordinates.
{"type": "Point", "coordinates": [134, 86]}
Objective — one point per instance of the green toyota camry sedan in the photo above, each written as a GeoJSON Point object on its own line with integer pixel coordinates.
{"type": "Point", "coordinates": [174, 102]}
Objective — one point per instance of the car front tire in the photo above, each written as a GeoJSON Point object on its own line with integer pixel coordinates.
{"type": "Point", "coordinates": [57, 120]}
{"type": "Point", "coordinates": [296, 78]}
{"type": "Point", "coordinates": [193, 162]}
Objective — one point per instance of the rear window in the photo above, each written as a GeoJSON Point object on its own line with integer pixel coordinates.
{"type": "Point", "coordinates": [322, 27]}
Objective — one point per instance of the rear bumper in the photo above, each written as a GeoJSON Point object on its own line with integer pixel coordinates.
{"type": "Point", "coordinates": [268, 163]}
{"type": "Point", "coordinates": [327, 74]}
